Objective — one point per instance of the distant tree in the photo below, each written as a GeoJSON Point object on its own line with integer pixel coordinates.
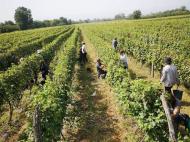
{"type": "Point", "coordinates": [120, 16]}
{"type": "Point", "coordinates": [86, 21]}
{"type": "Point", "coordinates": [136, 14]}
{"type": "Point", "coordinates": [9, 22]}
{"type": "Point", "coordinates": [80, 21]}
{"type": "Point", "coordinates": [23, 18]}
{"type": "Point", "coordinates": [46, 23]}
{"type": "Point", "coordinates": [69, 21]}
{"type": "Point", "coordinates": [54, 22]}
{"type": "Point", "coordinates": [63, 21]}
{"type": "Point", "coordinates": [182, 8]}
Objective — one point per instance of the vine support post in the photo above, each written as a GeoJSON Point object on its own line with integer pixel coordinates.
{"type": "Point", "coordinates": [152, 70]}
{"type": "Point", "coordinates": [169, 118]}
{"type": "Point", "coordinates": [36, 126]}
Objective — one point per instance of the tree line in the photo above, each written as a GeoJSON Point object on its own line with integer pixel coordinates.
{"type": "Point", "coordinates": [138, 15]}
{"type": "Point", "coordinates": [24, 21]}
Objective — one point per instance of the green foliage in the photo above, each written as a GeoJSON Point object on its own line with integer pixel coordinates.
{"type": "Point", "coordinates": [153, 41]}
{"type": "Point", "coordinates": [120, 16]}
{"type": "Point", "coordinates": [136, 14]}
{"type": "Point", "coordinates": [25, 47]}
{"type": "Point", "coordinates": [13, 80]}
{"type": "Point", "coordinates": [53, 98]}
{"type": "Point", "coordinates": [23, 18]}
{"type": "Point", "coordinates": [181, 11]}
{"type": "Point", "coordinates": [136, 97]}
{"type": "Point", "coordinates": [8, 28]}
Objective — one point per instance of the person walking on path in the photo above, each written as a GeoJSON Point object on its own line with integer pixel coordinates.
{"type": "Point", "coordinates": [114, 43]}
{"type": "Point", "coordinates": [99, 68]}
{"type": "Point", "coordinates": [123, 60]}
{"type": "Point", "coordinates": [84, 52]}
{"type": "Point", "coordinates": [170, 76]}
{"type": "Point", "coordinates": [43, 69]}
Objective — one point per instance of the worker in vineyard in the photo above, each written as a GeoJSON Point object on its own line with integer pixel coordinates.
{"type": "Point", "coordinates": [174, 105]}
{"type": "Point", "coordinates": [128, 36]}
{"type": "Point", "coordinates": [99, 68]}
{"type": "Point", "coordinates": [114, 43]}
{"type": "Point", "coordinates": [15, 60]}
{"type": "Point", "coordinates": [80, 55]}
{"type": "Point", "coordinates": [170, 76]}
{"type": "Point", "coordinates": [84, 52]}
{"type": "Point", "coordinates": [123, 60]}
{"type": "Point", "coordinates": [183, 119]}
{"type": "Point", "coordinates": [43, 69]}
{"type": "Point", "coordinates": [39, 52]}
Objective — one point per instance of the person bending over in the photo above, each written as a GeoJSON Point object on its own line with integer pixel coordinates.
{"type": "Point", "coordinates": [99, 68]}
{"type": "Point", "coordinates": [123, 59]}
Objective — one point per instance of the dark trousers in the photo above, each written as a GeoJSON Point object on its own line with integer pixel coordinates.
{"type": "Point", "coordinates": [168, 89]}
{"type": "Point", "coordinates": [44, 75]}
{"type": "Point", "coordinates": [84, 57]}
{"type": "Point", "coordinates": [102, 72]}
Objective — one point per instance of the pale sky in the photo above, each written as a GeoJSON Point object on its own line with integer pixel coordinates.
{"type": "Point", "coordinates": [83, 9]}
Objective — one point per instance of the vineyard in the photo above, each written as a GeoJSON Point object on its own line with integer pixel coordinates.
{"type": "Point", "coordinates": [57, 101]}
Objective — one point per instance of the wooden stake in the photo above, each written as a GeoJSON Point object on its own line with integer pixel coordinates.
{"type": "Point", "coordinates": [36, 126]}
{"type": "Point", "coordinates": [153, 69]}
{"type": "Point", "coordinates": [169, 118]}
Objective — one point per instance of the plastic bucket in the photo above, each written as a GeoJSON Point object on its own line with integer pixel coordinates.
{"type": "Point", "coordinates": [178, 94]}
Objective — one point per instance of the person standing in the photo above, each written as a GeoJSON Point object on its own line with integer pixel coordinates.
{"type": "Point", "coordinates": [114, 43]}
{"type": "Point", "coordinates": [170, 76]}
{"type": "Point", "coordinates": [43, 69]}
{"type": "Point", "coordinates": [84, 52]}
{"type": "Point", "coordinates": [123, 59]}
{"type": "Point", "coordinates": [99, 68]}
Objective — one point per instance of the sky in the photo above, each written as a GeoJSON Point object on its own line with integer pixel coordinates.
{"type": "Point", "coordinates": [83, 9]}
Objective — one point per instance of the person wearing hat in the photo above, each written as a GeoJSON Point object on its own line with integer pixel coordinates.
{"type": "Point", "coordinates": [99, 68]}
{"type": "Point", "coordinates": [39, 52]}
{"type": "Point", "coordinates": [123, 59]}
{"type": "Point", "coordinates": [114, 43]}
{"type": "Point", "coordinates": [84, 52]}
{"type": "Point", "coordinates": [15, 60]}
{"type": "Point", "coordinates": [170, 76]}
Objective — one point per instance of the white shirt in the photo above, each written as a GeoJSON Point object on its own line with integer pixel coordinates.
{"type": "Point", "coordinates": [169, 76]}
{"type": "Point", "coordinates": [123, 59]}
{"type": "Point", "coordinates": [84, 47]}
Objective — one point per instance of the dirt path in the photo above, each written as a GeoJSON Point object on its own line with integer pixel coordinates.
{"type": "Point", "coordinates": [98, 117]}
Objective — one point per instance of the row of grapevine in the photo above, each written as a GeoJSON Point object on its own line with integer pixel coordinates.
{"type": "Point", "coordinates": [27, 49]}
{"type": "Point", "coordinates": [6, 43]}
{"type": "Point", "coordinates": [136, 97]}
{"type": "Point", "coordinates": [13, 80]}
{"type": "Point", "coordinates": [9, 39]}
{"type": "Point", "coordinates": [152, 41]}
{"type": "Point", "coordinates": [53, 98]}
